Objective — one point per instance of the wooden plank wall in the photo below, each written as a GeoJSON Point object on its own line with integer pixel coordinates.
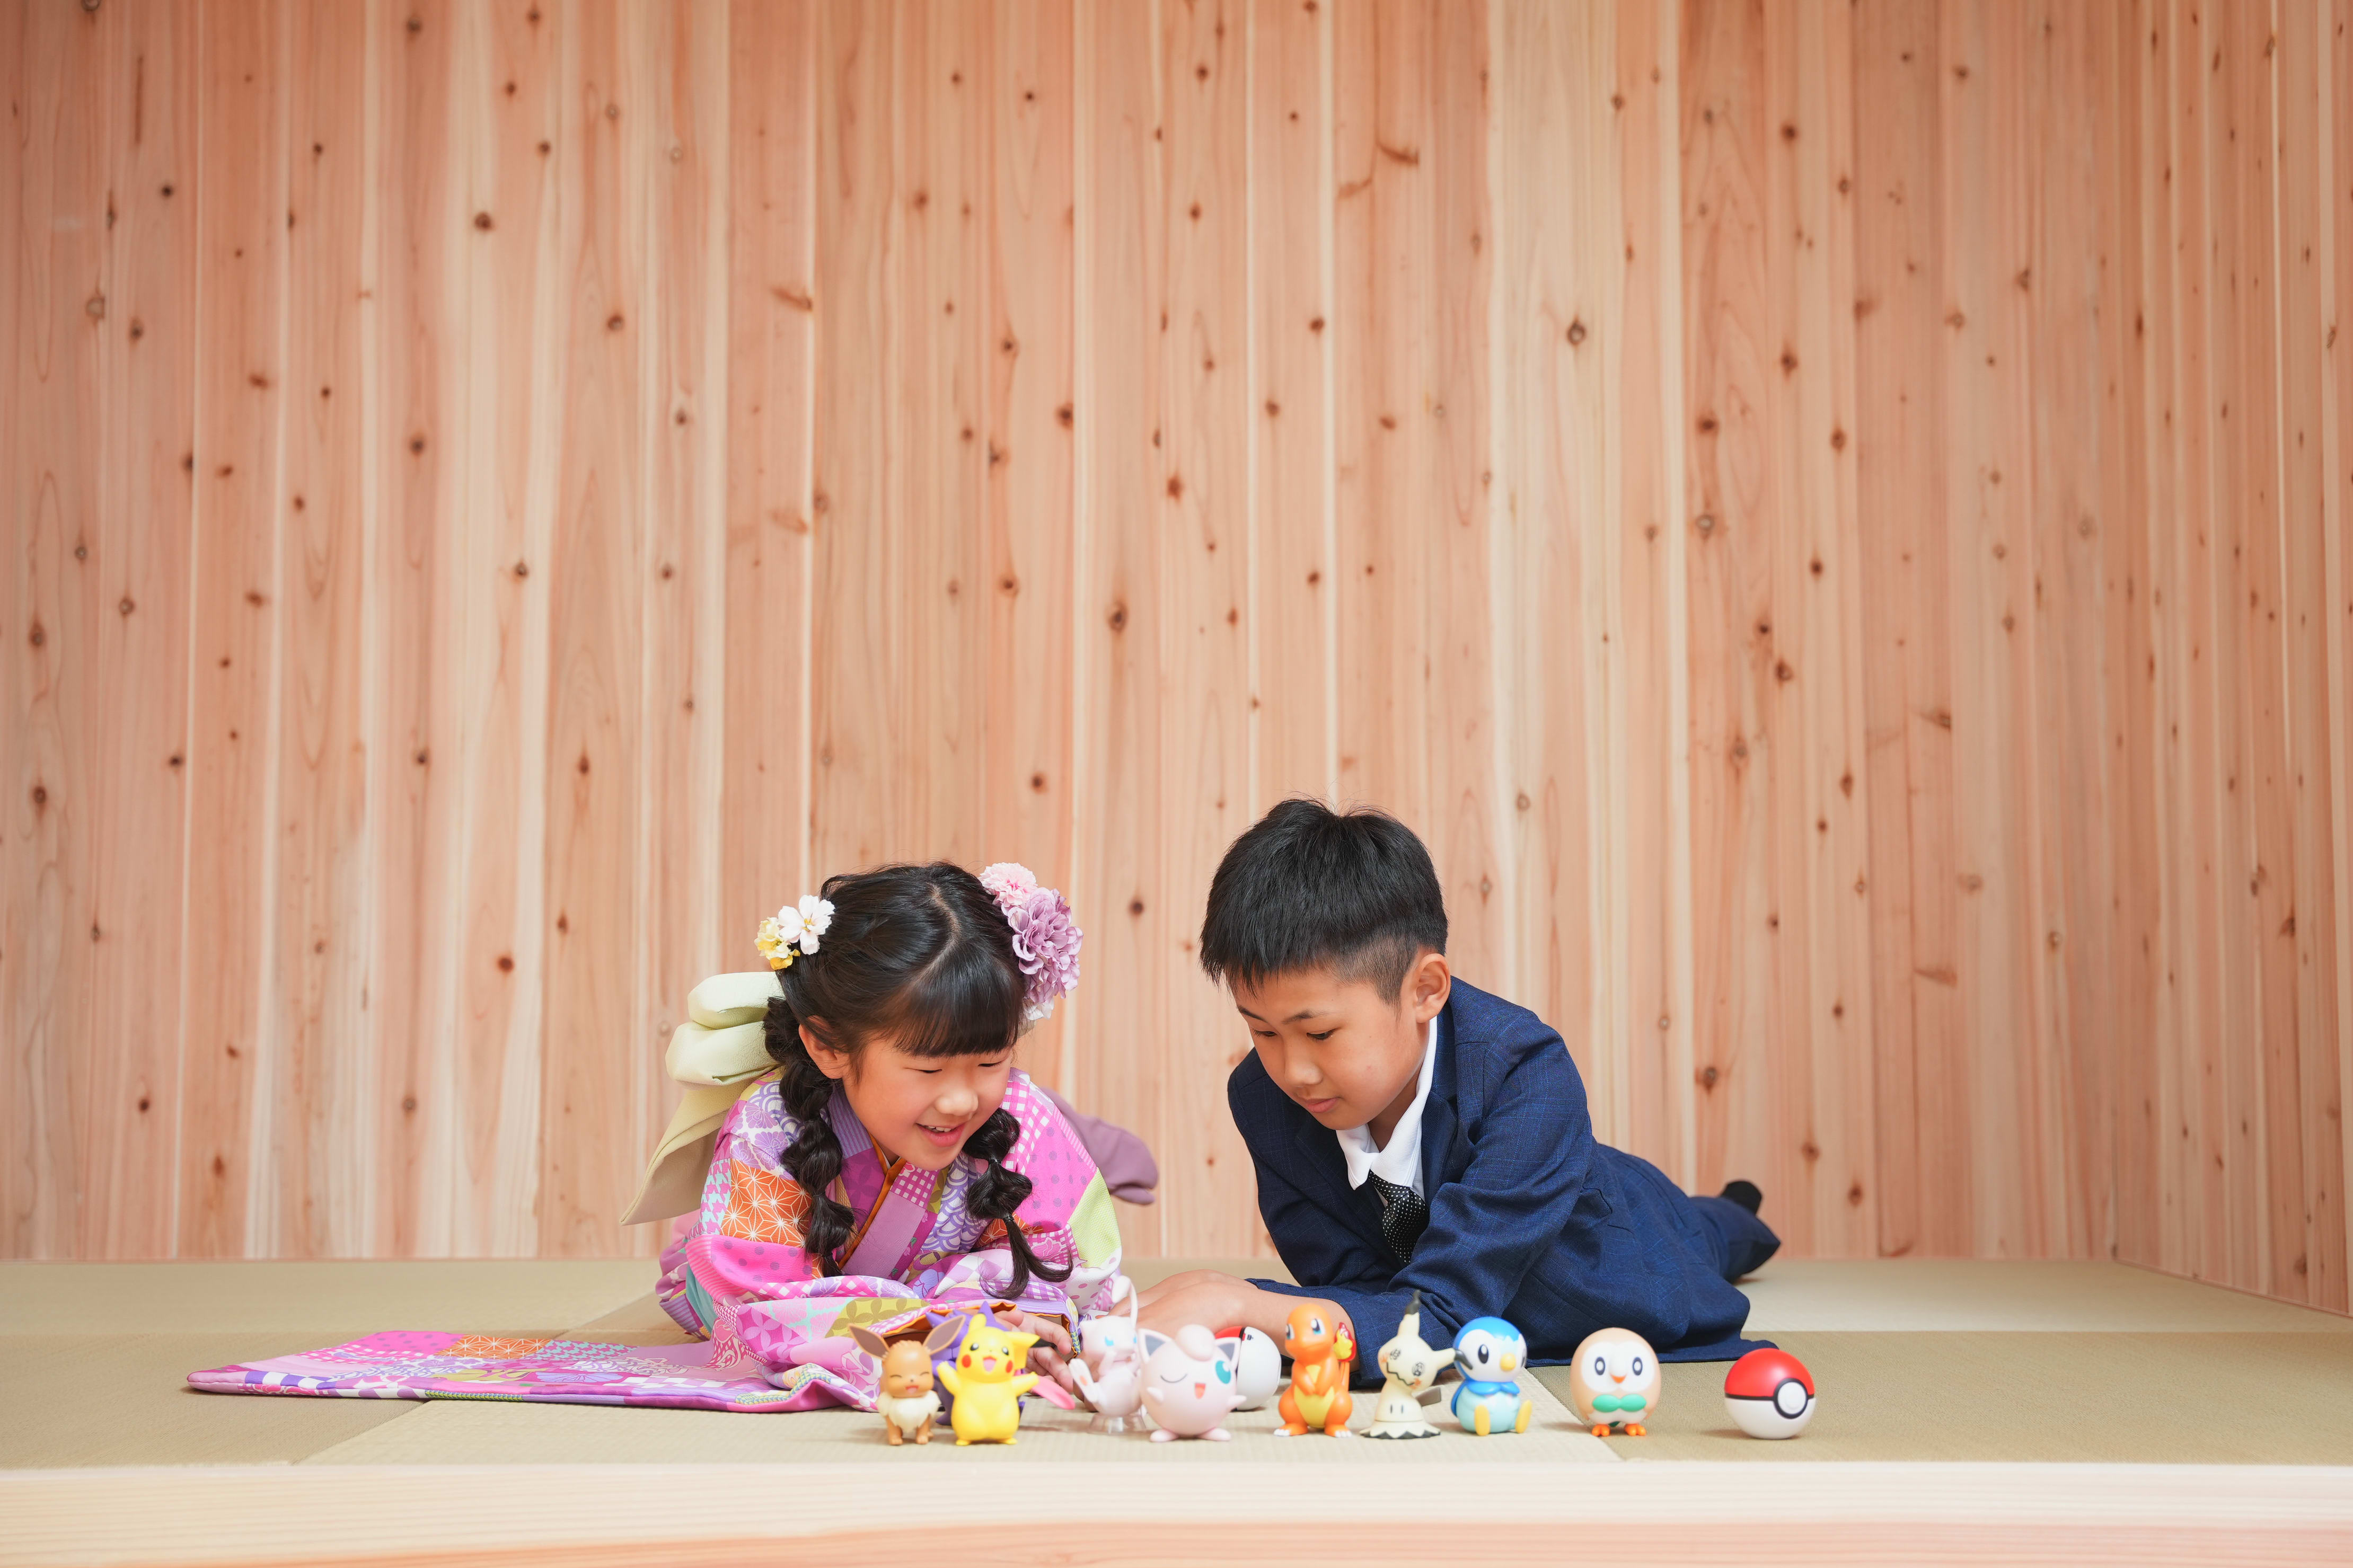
{"type": "Point", "coordinates": [1831, 520]}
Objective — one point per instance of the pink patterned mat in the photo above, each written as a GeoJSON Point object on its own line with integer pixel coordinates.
{"type": "Point", "coordinates": [419, 1365]}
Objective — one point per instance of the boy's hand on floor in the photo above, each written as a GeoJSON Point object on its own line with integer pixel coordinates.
{"type": "Point", "coordinates": [1218, 1301]}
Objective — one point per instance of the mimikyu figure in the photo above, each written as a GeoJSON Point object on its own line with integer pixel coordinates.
{"type": "Point", "coordinates": [1409, 1367]}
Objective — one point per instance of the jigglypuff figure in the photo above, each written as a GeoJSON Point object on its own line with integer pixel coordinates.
{"type": "Point", "coordinates": [1320, 1353]}
{"type": "Point", "coordinates": [987, 1383]}
{"type": "Point", "coordinates": [1489, 1400]}
{"type": "Point", "coordinates": [1410, 1366]}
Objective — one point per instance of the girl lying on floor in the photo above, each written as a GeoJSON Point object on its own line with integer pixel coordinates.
{"type": "Point", "coordinates": [880, 1159]}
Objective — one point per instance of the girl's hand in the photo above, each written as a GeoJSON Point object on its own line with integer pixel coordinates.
{"type": "Point", "coordinates": [1051, 1353]}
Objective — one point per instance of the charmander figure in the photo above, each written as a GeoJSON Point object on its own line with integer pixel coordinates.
{"type": "Point", "coordinates": [1320, 1353]}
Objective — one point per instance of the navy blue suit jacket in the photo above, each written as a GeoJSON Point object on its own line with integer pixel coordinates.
{"type": "Point", "coordinates": [1530, 1218]}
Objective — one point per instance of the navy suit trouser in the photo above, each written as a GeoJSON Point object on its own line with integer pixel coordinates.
{"type": "Point", "coordinates": [1743, 1242]}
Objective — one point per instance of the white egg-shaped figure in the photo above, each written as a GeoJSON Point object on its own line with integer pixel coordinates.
{"type": "Point", "coordinates": [1769, 1394]}
{"type": "Point", "coordinates": [1258, 1370]}
{"type": "Point", "coordinates": [1614, 1381]}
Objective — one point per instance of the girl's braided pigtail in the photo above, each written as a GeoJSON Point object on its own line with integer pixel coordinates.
{"type": "Point", "coordinates": [997, 1193]}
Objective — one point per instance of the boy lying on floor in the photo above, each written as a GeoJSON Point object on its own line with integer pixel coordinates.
{"type": "Point", "coordinates": [1412, 1132]}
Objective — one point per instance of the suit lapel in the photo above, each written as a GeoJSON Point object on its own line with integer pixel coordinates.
{"type": "Point", "coordinates": [1321, 1161]}
{"type": "Point", "coordinates": [1440, 1120]}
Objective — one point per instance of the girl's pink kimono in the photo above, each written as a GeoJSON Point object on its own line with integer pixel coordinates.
{"type": "Point", "coordinates": [736, 1271]}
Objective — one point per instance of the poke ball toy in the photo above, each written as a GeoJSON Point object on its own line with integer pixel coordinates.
{"type": "Point", "coordinates": [1769, 1394]}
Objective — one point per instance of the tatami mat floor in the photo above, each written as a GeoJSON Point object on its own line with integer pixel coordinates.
{"type": "Point", "coordinates": [1919, 1362]}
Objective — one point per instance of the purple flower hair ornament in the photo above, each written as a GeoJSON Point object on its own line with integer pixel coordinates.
{"type": "Point", "coordinates": [1044, 940]}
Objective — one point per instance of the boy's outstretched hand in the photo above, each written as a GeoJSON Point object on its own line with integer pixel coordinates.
{"type": "Point", "coordinates": [1218, 1301]}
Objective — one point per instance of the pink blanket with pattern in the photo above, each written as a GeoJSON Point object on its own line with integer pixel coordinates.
{"type": "Point", "coordinates": [418, 1365]}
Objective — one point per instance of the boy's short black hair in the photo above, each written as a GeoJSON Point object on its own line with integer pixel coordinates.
{"type": "Point", "coordinates": [1309, 886]}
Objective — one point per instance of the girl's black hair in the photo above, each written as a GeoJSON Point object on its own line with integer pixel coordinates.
{"type": "Point", "coordinates": [920, 953]}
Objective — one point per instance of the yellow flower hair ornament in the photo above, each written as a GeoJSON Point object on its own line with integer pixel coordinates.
{"type": "Point", "coordinates": [794, 929]}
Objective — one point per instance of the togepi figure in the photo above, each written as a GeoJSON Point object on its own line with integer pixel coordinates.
{"type": "Point", "coordinates": [1110, 1370]}
{"type": "Point", "coordinates": [1410, 1366]}
{"type": "Point", "coordinates": [1317, 1399]}
{"type": "Point", "coordinates": [1258, 1369]}
{"type": "Point", "coordinates": [1188, 1383]}
{"type": "Point", "coordinates": [987, 1383]}
{"type": "Point", "coordinates": [1488, 1353]}
{"type": "Point", "coordinates": [1614, 1380]}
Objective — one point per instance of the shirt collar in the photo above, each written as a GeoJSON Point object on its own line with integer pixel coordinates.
{"type": "Point", "coordinates": [1399, 1160]}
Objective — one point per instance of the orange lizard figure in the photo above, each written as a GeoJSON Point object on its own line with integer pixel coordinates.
{"type": "Point", "coordinates": [1318, 1394]}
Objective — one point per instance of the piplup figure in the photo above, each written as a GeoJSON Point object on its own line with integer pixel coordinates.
{"type": "Point", "coordinates": [1769, 1394]}
{"type": "Point", "coordinates": [1188, 1383]}
{"type": "Point", "coordinates": [1488, 1353]}
{"type": "Point", "coordinates": [987, 1379]}
{"type": "Point", "coordinates": [904, 1397]}
{"type": "Point", "coordinates": [1409, 1369]}
{"type": "Point", "coordinates": [1320, 1352]}
{"type": "Point", "coordinates": [1614, 1381]}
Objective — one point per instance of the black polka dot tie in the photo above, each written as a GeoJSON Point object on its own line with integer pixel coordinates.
{"type": "Point", "coordinates": [1403, 1214]}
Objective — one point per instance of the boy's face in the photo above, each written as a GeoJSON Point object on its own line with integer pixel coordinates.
{"type": "Point", "coordinates": [1347, 1054]}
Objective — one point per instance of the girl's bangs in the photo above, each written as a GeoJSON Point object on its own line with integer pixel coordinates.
{"type": "Point", "coordinates": [966, 1004]}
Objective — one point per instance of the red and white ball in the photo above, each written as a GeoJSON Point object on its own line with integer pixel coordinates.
{"type": "Point", "coordinates": [1769, 1394]}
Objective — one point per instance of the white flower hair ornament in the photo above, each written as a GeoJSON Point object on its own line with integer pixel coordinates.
{"type": "Point", "coordinates": [794, 929]}
{"type": "Point", "coordinates": [1045, 941]}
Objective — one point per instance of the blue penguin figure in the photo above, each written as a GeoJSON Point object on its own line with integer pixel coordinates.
{"type": "Point", "coordinates": [1489, 1352]}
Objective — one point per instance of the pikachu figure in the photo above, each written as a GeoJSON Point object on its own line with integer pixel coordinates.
{"type": "Point", "coordinates": [988, 1383]}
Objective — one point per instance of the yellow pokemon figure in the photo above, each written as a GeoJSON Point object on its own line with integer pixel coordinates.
{"type": "Point", "coordinates": [988, 1383]}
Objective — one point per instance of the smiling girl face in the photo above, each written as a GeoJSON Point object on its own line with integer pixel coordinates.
{"type": "Point", "coordinates": [917, 1109]}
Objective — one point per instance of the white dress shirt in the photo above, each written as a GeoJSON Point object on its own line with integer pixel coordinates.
{"type": "Point", "coordinates": [1399, 1160]}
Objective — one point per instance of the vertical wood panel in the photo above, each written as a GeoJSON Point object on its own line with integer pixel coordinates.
{"type": "Point", "coordinates": [1900, 308]}
{"type": "Point", "coordinates": [231, 1044]}
{"type": "Point", "coordinates": [1554, 459]}
{"type": "Point", "coordinates": [2336, 289]}
{"type": "Point", "coordinates": [142, 555]}
{"type": "Point", "coordinates": [684, 149]}
{"type": "Point", "coordinates": [2131, 984]}
{"type": "Point", "coordinates": [67, 1177]}
{"type": "Point", "coordinates": [1822, 1050]}
{"type": "Point", "coordinates": [772, 151]}
{"type": "Point", "coordinates": [1650, 771]}
{"type": "Point", "coordinates": [596, 1005]}
{"type": "Point", "coordinates": [1829, 520]}
{"type": "Point", "coordinates": [1201, 518]}
{"type": "Point", "coordinates": [408, 504]}
{"type": "Point", "coordinates": [1121, 183]}
{"type": "Point", "coordinates": [1727, 337]}
{"type": "Point", "coordinates": [1383, 161]}
{"type": "Point", "coordinates": [1292, 596]}
{"type": "Point", "coordinates": [315, 1199]}
{"type": "Point", "coordinates": [1988, 486]}
{"type": "Point", "coordinates": [1029, 221]}
{"type": "Point", "coordinates": [2067, 597]}
{"type": "Point", "coordinates": [856, 685]}
{"type": "Point", "coordinates": [2307, 1199]}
